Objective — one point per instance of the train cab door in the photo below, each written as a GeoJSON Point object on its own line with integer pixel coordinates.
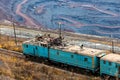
{"type": "Point", "coordinates": [35, 51]}
{"type": "Point", "coordinates": [98, 61]}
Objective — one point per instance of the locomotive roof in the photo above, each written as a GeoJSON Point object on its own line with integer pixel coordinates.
{"type": "Point", "coordinates": [85, 51]}
{"type": "Point", "coordinates": [71, 48]}
{"type": "Point", "coordinates": [112, 58]}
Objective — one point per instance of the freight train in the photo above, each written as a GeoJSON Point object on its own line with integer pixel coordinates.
{"type": "Point", "coordinates": [58, 50]}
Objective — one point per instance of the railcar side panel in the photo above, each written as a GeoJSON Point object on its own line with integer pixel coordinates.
{"type": "Point", "coordinates": [28, 49]}
{"type": "Point", "coordinates": [74, 59]}
{"type": "Point", "coordinates": [109, 68]}
{"type": "Point", "coordinates": [42, 51]}
{"type": "Point", "coordinates": [33, 50]}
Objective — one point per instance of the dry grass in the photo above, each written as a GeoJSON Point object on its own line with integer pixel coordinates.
{"type": "Point", "coordinates": [7, 42]}
{"type": "Point", "coordinates": [20, 69]}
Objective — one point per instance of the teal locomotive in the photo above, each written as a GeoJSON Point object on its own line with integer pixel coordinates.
{"type": "Point", "coordinates": [56, 49]}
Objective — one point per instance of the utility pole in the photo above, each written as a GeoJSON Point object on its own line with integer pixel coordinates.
{"type": "Point", "coordinates": [112, 46]}
{"type": "Point", "coordinates": [60, 35]}
{"type": "Point", "coordinates": [13, 27]}
{"type": "Point", "coordinates": [112, 43]}
{"type": "Point", "coordinates": [0, 34]}
{"type": "Point", "coordinates": [14, 33]}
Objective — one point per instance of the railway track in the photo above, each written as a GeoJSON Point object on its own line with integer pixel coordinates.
{"type": "Point", "coordinates": [11, 53]}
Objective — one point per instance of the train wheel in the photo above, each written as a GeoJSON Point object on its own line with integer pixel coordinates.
{"type": "Point", "coordinates": [105, 77]}
{"type": "Point", "coordinates": [26, 56]}
{"type": "Point", "coordinates": [102, 77]}
{"type": "Point", "coordinates": [112, 78]}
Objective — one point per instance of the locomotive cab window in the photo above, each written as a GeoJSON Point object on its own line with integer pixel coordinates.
{"type": "Point", "coordinates": [26, 46]}
{"type": "Point", "coordinates": [85, 59]}
{"type": "Point", "coordinates": [72, 56]}
{"type": "Point", "coordinates": [44, 45]}
{"type": "Point", "coordinates": [36, 48]}
{"type": "Point", "coordinates": [110, 63]}
{"type": "Point", "coordinates": [41, 44]}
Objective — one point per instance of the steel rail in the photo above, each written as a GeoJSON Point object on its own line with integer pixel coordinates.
{"type": "Point", "coordinates": [11, 53]}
